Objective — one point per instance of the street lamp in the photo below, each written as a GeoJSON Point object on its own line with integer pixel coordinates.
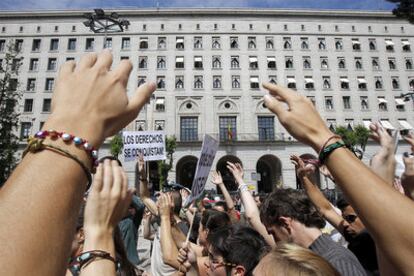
{"type": "Point", "coordinates": [99, 22]}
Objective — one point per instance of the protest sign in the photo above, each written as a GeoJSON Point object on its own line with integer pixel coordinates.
{"type": "Point", "coordinates": [150, 143]}
{"type": "Point", "coordinates": [208, 153]}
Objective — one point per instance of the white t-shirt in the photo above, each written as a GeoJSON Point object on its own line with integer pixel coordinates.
{"type": "Point", "coordinates": [158, 267]}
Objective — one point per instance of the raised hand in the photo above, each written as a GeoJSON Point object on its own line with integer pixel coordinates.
{"type": "Point", "coordinates": [164, 205]}
{"type": "Point", "coordinates": [302, 169]}
{"type": "Point", "coordinates": [237, 170]}
{"type": "Point", "coordinates": [299, 117]}
{"type": "Point", "coordinates": [141, 165]}
{"type": "Point", "coordinates": [90, 101]}
{"type": "Point", "coordinates": [216, 178]}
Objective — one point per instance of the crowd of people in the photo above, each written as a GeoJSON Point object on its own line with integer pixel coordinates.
{"type": "Point", "coordinates": [51, 226]}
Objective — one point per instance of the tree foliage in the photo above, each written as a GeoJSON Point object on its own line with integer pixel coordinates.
{"type": "Point", "coordinates": [404, 9]}
{"type": "Point", "coordinates": [116, 144]}
{"type": "Point", "coordinates": [9, 113]}
{"type": "Point", "coordinates": [164, 166]}
{"type": "Point", "coordinates": [354, 138]}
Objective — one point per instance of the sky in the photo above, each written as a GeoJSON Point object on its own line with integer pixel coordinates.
{"type": "Point", "coordinates": [21, 5]}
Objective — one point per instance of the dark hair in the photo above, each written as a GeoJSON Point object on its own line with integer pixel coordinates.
{"type": "Point", "coordinates": [290, 203]}
{"type": "Point", "coordinates": [213, 219]}
{"type": "Point", "coordinates": [341, 203]}
{"type": "Point", "coordinates": [222, 204]}
{"type": "Point", "coordinates": [240, 245]}
{"type": "Point", "coordinates": [176, 197]}
{"type": "Point", "coordinates": [194, 229]}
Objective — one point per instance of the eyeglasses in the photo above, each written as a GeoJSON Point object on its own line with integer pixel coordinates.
{"type": "Point", "coordinates": [214, 264]}
{"type": "Point", "coordinates": [350, 218]}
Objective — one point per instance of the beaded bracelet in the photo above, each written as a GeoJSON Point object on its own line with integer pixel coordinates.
{"type": "Point", "coordinates": [88, 257]}
{"type": "Point", "coordinates": [67, 138]}
{"type": "Point", "coordinates": [243, 187]}
{"type": "Point", "coordinates": [35, 144]}
{"type": "Point", "coordinates": [326, 151]}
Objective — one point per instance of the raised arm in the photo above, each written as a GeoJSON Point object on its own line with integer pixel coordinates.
{"type": "Point", "coordinates": [407, 179]}
{"type": "Point", "coordinates": [142, 185]}
{"type": "Point", "coordinates": [252, 212]}
{"type": "Point", "coordinates": [90, 102]}
{"type": "Point", "coordinates": [387, 214]}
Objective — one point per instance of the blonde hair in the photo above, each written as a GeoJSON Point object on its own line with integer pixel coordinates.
{"type": "Point", "coordinates": [290, 259]}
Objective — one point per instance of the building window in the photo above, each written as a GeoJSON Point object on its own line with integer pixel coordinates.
{"type": "Point", "coordinates": [54, 44]}
{"type": "Point", "coordinates": [215, 44]}
{"type": "Point", "coordinates": [31, 85]}
{"type": "Point", "coordinates": [253, 63]}
{"type": "Point", "coordinates": [272, 79]}
{"type": "Point", "coordinates": [25, 130]}
{"type": "Point", "coordinates": [15, 64]}
{"type": "Point", "coordinates": [336, 28]}
{"type": "Point", "coordinates": [369, 29]}
{"type": "Point", "coordinates": [144, 27]}
{"type": "Point", "coordinates": [322, 44]}
{"type": "Point", "coordinates": [228, 128]}
{"type": "Point", "coordinates": [289, 62]}
{"type": "Point", "coordinates": [46, 105]}
{"type": "Point", "coordinates": [251, 42]}
{"type": "Point", "coordinates": [291, 82]}
{"type": "Point", "coordinates": [160, 105]}
{"type": "Point", "coordinates": [372, 45]}
{"type": "Point", "coordinates": [142, 62]}
{"type": "Point", "coordinates": [358, 63]}
{"type": "Point", "coordinates": [304, 45]}
{"type": "Point", "coordinates": [198, 42]}
{"type": "Point", "coordinates": [341, 63]}
{"type": "Point", "coordinates": [90, 44]}
{"type": "Point", "coordinates": [312, 100]}
{"type": "Point", "coordinates": [143, 43]}
{"type": "Point", "coordinates": [52, 64]}
{"type": "Point", "coordinates": [235, 64]}
{"type": "Point", "coordinates": [339, 46]}
{"type": "Point", "coordinates": [326, 82]}
{"type": "Point", "coordinates": [28, 105]}
{"type": "Point", "coordinates": [233, 26]}
{"type": "Point", "coordinates": [266, 128]}
{"type": "Point", "coordinates": [216, 62]}
{"type": "Point", "coordinates": [382, 104]}
{"type": "Point", "coordinates": [234, 42]}
{"type": "Point", "coordinates": [70, 58]}
{"type": "Point", "coordinates": [269, 43]}
{"type": "Point", "coordinates": [389, 45]}
{"type": "Point", "coordinates": [124, 57]}
{"type": "Point", "coordinates": [179, 62]}
{"type": "Point", "coordinates": [356, 45]}
{"type": "Point", "coordinates": [254, 82]}
{"type": "Point", "coordinates": [329, 103]}
{"type": "Point", "coordinates": [49, 84]}
{"type": "Point", "coordinates": [217, 82]}
{"type": "Point", "coordinates": [71, 44]}
{"type": "Point", "coordinates": [307, 63]}
{"type": "Point", "coordinates": [287, 43]}
{"type": "Point", "coordinates": [179, 82]}
{"type": "Point", "coordinates": [235, 82]}
{"type": "Point", "coordinates": [271, 62]}
{"type": "Point", "coordinates": [364, 102]}
{"type": "Point", "coordinates": [141, 80]}
{"type": "Point", "coordinates": [179, 43]}
{"type": "Point", "coordinates": [250, 26]}
{"type": "Point", "coordinates": [2, 45]}
{"type": "Point", "coordinates": [36, 45]}
{"type": "Point", "coordinates": [309, 83]}
{"type": "Point", "coordinates": [408, 64]}
{"type": "Point", "coordinates": [56, 28]}
{"type": "Point", "coordinates": [189, 129]}
{"type": "Point", "coordinates": [347, 102]}
{"type": "Point", "coordinates": [34, 64]}
{"type": "Point", "coordinates": [161, 64]}
{"type": "Point", "coordinates": [108, 43]}
{"type": "Point", "coordinates": [215, 26]}
{"type": "Point", "coordinates": [395, 83]}
{"type": "Point", "coordinates": [73, 28]}
{"type": "Point", "coordinates": [198, 62]}
{"type": "Point", "coordinates": [375, 63]}
{"type": "Point", "coordinates": [162, 27]}
{"type": "Point", "coordinates": [392, 64]}
{"type": "Point", "coordinates": [198, 82]}
{"type": "Point", "coordinates": [126, 43]}
{"type": "Point", "coordinates": [378, 83]}
{"type": "Point", "coordinates": [162, 43]}
{"type": "Point", "coordinates": [344, 83]}
{"type": "Point", "coordinates": [18, 45]}
{"type": "Point", "coordinates": [331, 124]}
{"type": "Point", "coordinates": [160, 82]}
{"type": "Point", "coordinates": [406, 47]}
{"type": "Point", "coordinates": [399, 104]}
{"type": "Point", "coordinates": [411, 83]}
{"type": "Point", "coordinates": [324, 63]}
{"type": "Point", "coordinates": [285, 27]}
{"type": "Point", "coordinates": [159, 124]}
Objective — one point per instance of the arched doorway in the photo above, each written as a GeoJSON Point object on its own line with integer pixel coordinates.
{"type": "Point", "coordinates": [228, 178]}
{"type": "Point", "coordinates": [185, 170]}
{"type": "Point", "coordinates": [316, 178]}
{"type": "Point", "coordinates": [270, 169]}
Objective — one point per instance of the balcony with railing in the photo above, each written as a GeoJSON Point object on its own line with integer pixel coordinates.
{"type": "Point", "coordinates": [238, 138]}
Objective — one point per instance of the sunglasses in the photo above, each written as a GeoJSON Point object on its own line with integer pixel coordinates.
{"type": "Point", "coordinates": [350, 218]}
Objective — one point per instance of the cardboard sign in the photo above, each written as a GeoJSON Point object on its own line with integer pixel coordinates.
{"type": "Point", "coordinates": [208, 153]}
{"type": "Point", "coordinates": [150, 143]}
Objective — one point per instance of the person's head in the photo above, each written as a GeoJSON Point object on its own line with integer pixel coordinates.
{"type": "Point", "coordinates": [352, 223]}
{"type": "Point", "coordinates": [234, 250]}
{"type": "Point", "coordinates": [211, 220]}
{"type": "Point", "coordinates": [259, 198]}
{"type": "Point", "coordinates": [290, 259]}
{"type": "Point", "coordinates": [220, 206]}
{"type": "Point", "coordinates": [176, 199]}
{"type": "Point", "coordinates": [288, 214]}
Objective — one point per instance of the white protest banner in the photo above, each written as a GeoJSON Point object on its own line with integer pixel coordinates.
{"type": "Point", "coordinates": [208, 153]}
{"type": "Point", "coordinates": [150, 143]}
